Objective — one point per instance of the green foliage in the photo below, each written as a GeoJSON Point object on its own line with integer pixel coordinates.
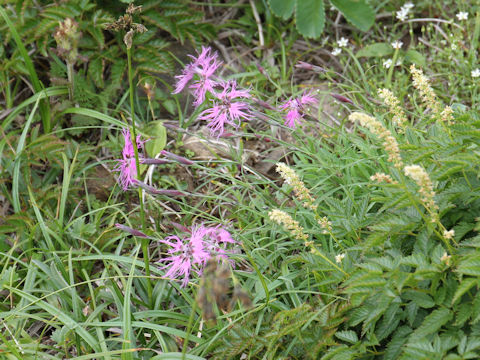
{"type": "Point", "coordinates": [101, 66]}
{"type": "Point", "coordinates": [310, 14]}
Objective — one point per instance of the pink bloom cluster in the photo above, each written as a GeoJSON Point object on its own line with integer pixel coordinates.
{"type": "Point", "coordinates": [296, 107]}
{"type": "Point", "coordinates": [204, 66]}
{"type": "Point", "coordinates": [127, 166]}
{"type": "Point", "coordinates": [193, 252]}
{"type": "Point", "coordinates": [225, 110]}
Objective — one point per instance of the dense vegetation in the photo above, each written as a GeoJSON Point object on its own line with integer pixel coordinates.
{"type": "Point", "coordinates": [239, 180]}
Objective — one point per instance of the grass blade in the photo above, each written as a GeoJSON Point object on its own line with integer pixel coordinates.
{"type": "Point", "coordinates": [37, 86]}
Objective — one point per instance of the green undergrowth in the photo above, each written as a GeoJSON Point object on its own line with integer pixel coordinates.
{"type": "Point", "coordinates": [380, 270]}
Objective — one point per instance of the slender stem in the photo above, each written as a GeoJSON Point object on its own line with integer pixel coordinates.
{"type": "Point", "coordinates": [144, 241]}
{"type": "Point", "coordinates": [70, 80]}
{"type": "Point", "coordinates": [189, 330]}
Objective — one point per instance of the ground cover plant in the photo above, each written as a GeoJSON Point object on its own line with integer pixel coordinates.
{"type": "Point", "coordinates": [254, 195]}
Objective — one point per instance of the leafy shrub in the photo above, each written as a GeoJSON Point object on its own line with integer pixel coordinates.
{"type": "Point", "coordinates": [101, 64]}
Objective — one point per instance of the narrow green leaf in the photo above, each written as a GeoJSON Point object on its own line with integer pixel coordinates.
{"type": "Point", "coordinates": [128, 335]}
{"type": "Point", "coordinates": [51, 91]}
{"type": "Point", "coordinates": [310, 18]}
{"type": "Point", "coordinates": [93, 113]}
{"type": "Point", "coordinates": [39, 216]}
{"type": "Point", "coordinates": [19, 150]}
{"type": "Point", "coordinates": [176, 356]}
{"type": "Point", "coordinates": [60, 315]}
{"type": "Point", "coordinates": [37, 86]}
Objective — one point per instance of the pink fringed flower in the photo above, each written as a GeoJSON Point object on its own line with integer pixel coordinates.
{"type": "Point", "coordinates": [204, 66]}
{"type": "Point", "coordinates": [225, 110]}
{"type": "Point", "coordinates": [193, 252]}
{"type": "Point", "coordinates": [127, 166]}
{"type": "Point", "coordinates": [296, 108]}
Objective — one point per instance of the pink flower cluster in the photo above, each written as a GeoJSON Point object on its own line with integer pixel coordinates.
{"type": "Point", "coordinates": [126, 165]}
{"type": "Point", "coordinates": [225, 110]}
{"type": "Point", "coordinates": [227, 105]}
{"type": "Point", "coordinates": [296, 109]}
{"type": "Point", "coordinates": [192, 253]}
{"type": "Point", "coordinates": [204, 66]}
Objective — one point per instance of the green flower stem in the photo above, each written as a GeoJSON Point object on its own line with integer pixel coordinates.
{"type": "Point", "coordinates": [144, 241]}
{"type": "Point", "coordinates": [427, 221]}
{"type": "Point", "coordinates": [71, 80]}
{"type": "Point", "coordinates": [189, 329]}
{"type": "Point", "coordinates": [392, 67]}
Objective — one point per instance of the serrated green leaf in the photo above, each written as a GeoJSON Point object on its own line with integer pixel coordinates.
{"type": "Point", "coordinates": [470, 266]}
{"type": "Point", "coordinates": [310, 18]}
{"type": "Point", "coordinates": [347, 336]}
{"type": "Point", "coordinates": [463, 313]}
{"type": "Point", "coordinates": [464, 286]}
{"type": "Point", "coordinates": [357, 12]}
{"type": "Point", "coordinates": [375, 50]}
{"type": "Point", "coordinates": [433, 322]}
{"type": "Point", "coordinates": [282, 8]}
{"type": "Point", "coordinates": [394, 347]}
{"type": "Point", "coordinates": [421, 299]}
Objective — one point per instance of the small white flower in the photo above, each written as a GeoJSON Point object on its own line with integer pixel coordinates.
{"type": "Point", "coordinates": [454, 47]}
{"type": "Point", "coordinates": [462, 15]}
{"type": "Point", "coordinates": [387, 63]}
{"type": "Point", "coordinates": [398, 63]}
{"type": "Point", "coordinates": [397, 44]}
{"type": "Point", "coordinates": [342, 42]}
{"type": "Point", "coordinates": [336, 51]}
{"type": "Point", "coordinates": [339, 258]}
{"type": "Point", "coordinates": [475, 73]}
{"type": "Point", "coordinates": [402, 15]}
{"type": "Point", "coordinates": [449, 234]}
{"type": "Point", "coordinates": [445, 258]}
{"type": "Point", "coordinates": [408, 6]}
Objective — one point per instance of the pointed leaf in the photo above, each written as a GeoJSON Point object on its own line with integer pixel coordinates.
{"type": "Point", "coordinates": [433, 322]}
{"type": "Point", "coordinates": [466, 285]}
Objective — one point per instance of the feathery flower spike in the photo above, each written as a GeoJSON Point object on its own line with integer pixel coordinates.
{"type": "Point", "coordinates": [422, 179]}
{"type": "Point", "coordinates": [399, 117]}
{"type": "Point", "coordinates": [292, 226]}
{"type": "Point", "coordinates": [389, 142]}
{"type": "Point", "coordinates": [292, 179]}
{"type": "Point", "coordinates": [422, 84]}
